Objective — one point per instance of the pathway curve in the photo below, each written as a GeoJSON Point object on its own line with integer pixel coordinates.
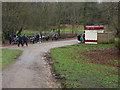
{"type": "Point", "coordinates": [29, 70]}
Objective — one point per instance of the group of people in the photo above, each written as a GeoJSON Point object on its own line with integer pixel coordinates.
{"type": "Point", "coordinates": [19, 40]}
{"type": "Point", "coordinates": [81, 38]}
{"type": "Point", "coordinates": [55, 36]}
{"type": "Point", "coordinates": [46, 37]}
{"type": "Point", "coordinates": [37, 38]}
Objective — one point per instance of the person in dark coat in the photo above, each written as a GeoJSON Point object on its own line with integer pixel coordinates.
{"type": "Point", "coordinates": [20, 41]}
{"type": "Point", "coordinates": [48, 37]}
{"type": "Point", "coordinates": [14, 35]}
{"type": "Point", "coordinates": [56, 37]}
{"type": "Point", "coordinates": [25, 38]}
{"type": "Point", "coordinates": [53, 36]}
{"type": "Point", "coordinates": [33, 40]}
{"type": "Point", "coordinates": [10, 39]}
{"type": "Point", "coordinates": [37, 38]}
{"type": "Point", "coordinates": [15, 40]}
{"type": "Point", "coordinates": [84, 38]}
{"type": "Point", "coordinates": [78, 37]}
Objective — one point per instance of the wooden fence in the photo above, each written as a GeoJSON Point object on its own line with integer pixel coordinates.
{"type": "Point", "coordinates": [105, 37]}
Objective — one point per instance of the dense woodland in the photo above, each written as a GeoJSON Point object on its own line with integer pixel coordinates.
{"type": "Point", "coordinates": [43, 15]}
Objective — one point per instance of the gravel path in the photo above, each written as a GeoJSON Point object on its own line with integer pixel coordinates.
{"type": "Point", "coordinates": [29, 71]}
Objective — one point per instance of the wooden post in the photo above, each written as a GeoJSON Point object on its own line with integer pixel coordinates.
{"type": "Point", "coordinates": [108, 37]}
{"type": "Point", "coordinates": [97, 37]}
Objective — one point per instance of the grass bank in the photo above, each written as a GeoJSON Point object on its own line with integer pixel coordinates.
{"type": "Point", "coordinates": [76, 70]}
{"type": "Point", "coordinates": [32, 32]}
{"type": "Point", "coordinates": [9, 56]}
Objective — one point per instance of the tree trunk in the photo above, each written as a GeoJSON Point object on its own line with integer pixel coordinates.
{"type": "Point", "coordinates": [72, 28]}
{"type": "Point", "coordinates": [20, 31]}
{"type": "Point", "coordinates": [59, 31]}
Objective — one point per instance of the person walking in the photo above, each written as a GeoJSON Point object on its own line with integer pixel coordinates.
{"type": "Point", "coordinates": [78, 37]}
{"type": "Point", "coordinates": [33, 39]}
{"type": "Point", "coordinates": [15, 40]}
{"type": "Point", "coordinates": [84, 37]}
{"type": "Point", "coordinates": [53, 36]}
{"type": "Point", "coordinates": [25, 38]}
{"type": "Point", "coordinates": [20, 41]}
{"type": "Point", "coordinates": [37, 38]}
{"type": "Point", "coordinates": [10, 39]}
{"type": "Point", "coordinates": [48, 37]}
{"type": "Point", "coordinates": [56, 37]}
{"type": "Point", "coordinates": [40, 39]}
{"type": "Point", "coordinates": [81, 39]}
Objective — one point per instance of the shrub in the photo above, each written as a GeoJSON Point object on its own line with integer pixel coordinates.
{"type": "Point", "coordinates": [111, 41]}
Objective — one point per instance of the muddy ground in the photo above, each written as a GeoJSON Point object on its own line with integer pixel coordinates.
{"type": "Point", "coordinates": [106, 56]}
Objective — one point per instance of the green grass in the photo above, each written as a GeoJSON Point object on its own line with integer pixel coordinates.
{"type": "Point", "coordinates": [76, 30]}
{"type": "Point", "coordinates": [32, 32]}
{"type": "Point", "coordinates": [9, 56]}
{"type": "Point", "coordinates": [79, 72]}
{"type": "Point", "coordinates": [29, 32]}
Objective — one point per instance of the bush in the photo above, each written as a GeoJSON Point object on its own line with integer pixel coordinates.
{"type": "Point", "coordinates": [111, 41]}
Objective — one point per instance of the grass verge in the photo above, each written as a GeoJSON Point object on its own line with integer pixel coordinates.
{"type": "Point", "coordinates": [79, 72]}
{"type": "Point", "coordinates": [9, 56]}
{"type": "Point", "coordinates": [32, 32]}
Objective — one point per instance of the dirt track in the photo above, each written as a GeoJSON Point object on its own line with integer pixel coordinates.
{"type": "Point", "coordinates": [29, 71]}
